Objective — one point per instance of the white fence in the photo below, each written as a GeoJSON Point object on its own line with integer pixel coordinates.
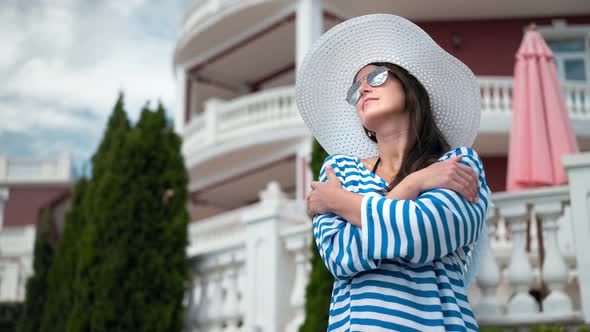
{"type": "Point", "coordinates": [252, 265]}
{"type": "Point", "coordinates": [223, 121]}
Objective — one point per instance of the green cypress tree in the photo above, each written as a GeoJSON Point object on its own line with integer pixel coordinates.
{"type": "Point", "coordinates": [133, 259]}
{"type": "Point", "coordinates": [101, 205]}
{"type": "Point", "coordinates": [319, 289]}
{"type": "Point", "coordinates": [36, 288]}
{"type": "Point", "coordinates": [61, 276]}
{"type": "Point", "coordinates": [158, 237]}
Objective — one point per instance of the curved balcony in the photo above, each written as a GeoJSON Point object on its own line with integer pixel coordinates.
{"type": "Point", "coordinates": [267, 117]}
{"type": "Point", "coordinates": [209, 21]}
{"type": "Point", "coordinates": [271, 116]}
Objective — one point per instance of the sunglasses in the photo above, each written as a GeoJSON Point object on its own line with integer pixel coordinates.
{"type": "Point", "coordinates": [375, 78]}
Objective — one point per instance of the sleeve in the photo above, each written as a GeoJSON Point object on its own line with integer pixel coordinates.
{"type": "Point", "coordinates": [338, 241]}
{"type": "Point", "coordinates": [435, 224]}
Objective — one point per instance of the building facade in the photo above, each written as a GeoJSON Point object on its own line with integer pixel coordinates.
{"type": "Point", "coordinates": [247, 151]}
{"type": "Point", "coordinates": [26, 187]}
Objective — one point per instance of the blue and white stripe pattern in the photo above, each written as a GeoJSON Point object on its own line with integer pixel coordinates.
{"type": "Point", "coordinates": [403, 269]}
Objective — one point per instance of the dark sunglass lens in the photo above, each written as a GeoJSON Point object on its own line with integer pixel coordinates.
{"type": "Point", "coordinates": [378, 79]}
{"type": "Point", "coordinates": [352, 91]}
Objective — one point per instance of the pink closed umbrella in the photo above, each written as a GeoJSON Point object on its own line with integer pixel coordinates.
{"type": "Point", "coordinates": [541, 128]}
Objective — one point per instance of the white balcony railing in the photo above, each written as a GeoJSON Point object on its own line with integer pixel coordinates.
{"type": "Point", "coordinates": [43, 170]}
{"type": "Point", "coordinates": [224, 121]}
{"type": "Point", "coordinates": [247, 262]}
{"type": "Point", "coordinates": [496, 96]}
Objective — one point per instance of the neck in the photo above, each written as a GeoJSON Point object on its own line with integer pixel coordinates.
{"type": "Point", "coordinates": [392, 144]}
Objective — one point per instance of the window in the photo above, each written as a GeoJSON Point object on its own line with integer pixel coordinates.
{"type": "Point", "coordinates": [571, 58]}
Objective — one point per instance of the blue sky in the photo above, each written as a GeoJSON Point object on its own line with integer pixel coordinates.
{"type": "Point", "coordinates": [62, 63]}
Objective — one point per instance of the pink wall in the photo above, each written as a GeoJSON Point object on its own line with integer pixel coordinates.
{"type": "Point", "coordinates": [488, 46]}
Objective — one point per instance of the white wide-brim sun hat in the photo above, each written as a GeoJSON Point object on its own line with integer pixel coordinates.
{"type": "Point", "coordinates": [329, 68]}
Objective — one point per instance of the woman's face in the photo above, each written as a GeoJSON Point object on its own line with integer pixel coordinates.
{"type": "Point", "coordinates": [379, 103]}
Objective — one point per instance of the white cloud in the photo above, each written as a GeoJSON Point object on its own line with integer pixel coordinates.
{"type": "Point", "coordinates": [60, 57]}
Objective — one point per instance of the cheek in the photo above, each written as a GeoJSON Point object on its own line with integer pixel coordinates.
{"type": "Point", "coordinates": [395, 99]}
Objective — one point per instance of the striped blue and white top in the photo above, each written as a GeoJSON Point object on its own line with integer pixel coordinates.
{"type": "Point", "coordinates": [403, 269]}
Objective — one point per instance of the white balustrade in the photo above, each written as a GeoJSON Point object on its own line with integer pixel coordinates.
{"type": "Point", "coordinates": [51, 170]}
{"type": "Point", "coordinates": [224, 121]}
{"type": "Point", "coordinates": [273, 109]}
{"type": "Point", "coordinates": [577, 99]}
{"type": "Point", "coordinates": [552, 279]}
{"type": "Point", "coordinates": [252, 265]}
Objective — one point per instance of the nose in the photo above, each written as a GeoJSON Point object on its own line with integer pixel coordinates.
{"type": "Point", "coordinates": [365, 88]}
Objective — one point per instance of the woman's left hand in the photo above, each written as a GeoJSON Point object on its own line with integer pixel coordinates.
{"type": "Point", "coordinates": [319, 201]}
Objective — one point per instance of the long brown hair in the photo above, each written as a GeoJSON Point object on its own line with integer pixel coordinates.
{"type": "Point", "coordinates": [425, 142]}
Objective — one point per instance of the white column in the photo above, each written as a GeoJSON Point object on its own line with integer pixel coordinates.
{"type": "Point", "coordinates": [303, 177]}
{"type": "Point", "coordinates": [10, 282]}
{"type": "Point", "coordinates": [578, 171]}
{"type": "Point", "coordinates": [267, 265]}
{"type": "Point", "coordinates": [211, 116]}
{"type": "Point", "coordinates": [308, 26]}
{"type": "Point", "coordinates": [179, 114]}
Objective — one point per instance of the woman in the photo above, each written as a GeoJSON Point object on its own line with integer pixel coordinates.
{"type": "Point", "coordinates": [401, 252]}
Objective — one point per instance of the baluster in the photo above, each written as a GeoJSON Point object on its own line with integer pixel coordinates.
{"type": "Point", "coordinates": [534, 255]}
{"type": "Point", "coordinates": [555, 271]}
{"type": "Point", "coordinates": [578, 100]}
{"type": "Point", "coordinates": [509, 91]}
{"type": "Point", "coordinates": [586, 109]}
{"type": "Point", "coordinates": [214, 313]}
{"type": "Point", "coordinates": [488, 278]}
{"type": "Point", "coordinates": [495, 87]}
{"type": "Point", "coordinates": [201, 315]}
{"type": "Point", "coordinates": [485, 95]}
{"type": "Point", "coordinates": [504, 102]}
{"type": "Point", "coordinates": [232, 300]}
{"type": "Point", "coordinates": [520, 273]}
{"type": "Point", "coordinates": [567, 94]}
{"type": "Point", "coordinates": [302, 266]}
{"type": "Point", "coordinates": [197, 304]}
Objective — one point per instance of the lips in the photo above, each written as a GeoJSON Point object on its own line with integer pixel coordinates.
{"type": "Point", "coordinates": [367, 100]}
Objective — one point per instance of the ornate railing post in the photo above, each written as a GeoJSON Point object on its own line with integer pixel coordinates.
{"type": "Point", "coordinates": [578, 171]}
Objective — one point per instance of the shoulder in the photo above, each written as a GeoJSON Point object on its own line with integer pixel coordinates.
{"type": "Point", "coordinates": [464, 151]}
{"type": "Point", "coordinates": [342, 164]}
{"type": "Point", "coordinates": [339, 160]}
{"type": "Point", "coordinates": [470, 157]}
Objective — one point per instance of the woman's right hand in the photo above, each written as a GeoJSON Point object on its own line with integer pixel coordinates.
{"type": "Point", "coordinates": [448, 174]}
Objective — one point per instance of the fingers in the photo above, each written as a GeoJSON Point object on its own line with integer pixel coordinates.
{"type": "Point", "coordinates": [314, 184]}
{"type": "Point", "coordinates": [462, 189]}
{"type": "Point", "coordinates": [466, 173]}
{"type": "Point", "coordinates": [310, 213]}
{"type": "Point", "coordinates": [468, 179]}
{"type": "Point", "coordinates": [470, 172]}
{"type": "Point", "coordinates": [332, 177]}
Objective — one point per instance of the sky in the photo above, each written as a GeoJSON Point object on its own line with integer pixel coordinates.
{"type": "Point", "coordinates": [63, 62]}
